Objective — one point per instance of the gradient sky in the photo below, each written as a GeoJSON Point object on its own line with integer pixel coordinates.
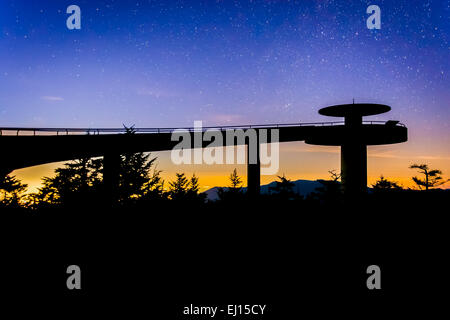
{"type": "Point", "coordinates": [168, 63]}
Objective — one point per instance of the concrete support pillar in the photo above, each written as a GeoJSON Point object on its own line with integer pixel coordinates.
{"type": "Point", "coordinates": [354, 121]}
{"type": "Point", "coordinates": [354, 168]}
{"type": "Point", "coordinates": [111, 171]}
{"type": "Point", "coordinates": [253, 171]}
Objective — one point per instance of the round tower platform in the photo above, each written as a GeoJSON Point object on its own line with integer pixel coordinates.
{"type": "Point", "coordinates": [353, 137]}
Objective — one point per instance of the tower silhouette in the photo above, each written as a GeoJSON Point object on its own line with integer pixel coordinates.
{"type": "Point", "coordinates": [354, 136]}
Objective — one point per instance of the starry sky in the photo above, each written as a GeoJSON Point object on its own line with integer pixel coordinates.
{"type": "Point", "coordinates": [169, 63]}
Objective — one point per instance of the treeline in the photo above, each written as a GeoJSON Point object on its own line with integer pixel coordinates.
{"type": "Point", "coordinates": [80, 182]}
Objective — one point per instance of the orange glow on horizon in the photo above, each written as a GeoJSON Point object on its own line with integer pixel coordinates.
{"type": "Point", "coordinates": [297, 161]}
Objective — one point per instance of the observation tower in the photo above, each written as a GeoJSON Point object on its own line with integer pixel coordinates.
{"type": "Point", "coordinates": [353, 136]}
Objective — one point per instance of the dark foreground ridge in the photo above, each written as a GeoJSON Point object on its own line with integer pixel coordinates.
{"type": "Point", "coordinates": [294, 256]}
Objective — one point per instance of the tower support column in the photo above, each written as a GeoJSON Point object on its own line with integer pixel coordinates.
{"type": "Point", "coordinates": [111, 172]}
{"type": "Point", "coordinates": [253, 171]}
{"type": "Point", "coordinates": [354, 168]}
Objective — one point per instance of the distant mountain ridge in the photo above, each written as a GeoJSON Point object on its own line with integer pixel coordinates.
{"type": "Point", "coordinates": [302, 187]}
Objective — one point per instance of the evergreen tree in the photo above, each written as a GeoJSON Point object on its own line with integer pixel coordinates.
{"type": "Point", "coordinates": [235, 181]}
{"type": "Point", "coordinates": [193, 192]}
{"type": "Point", "coordinates": [184, 189]}
{"type": "Point", "coordinates": [136, 179]}
{"type": "Point", "coordinates": [432, 177]}
{"type": "Point", "coordinates": [76, 183]}
{"type": "Point", "coordinates": [194, 186]}
{"type": "Point", "coordinates": [134, 176]}
{"type": "Point", "coordinates": [154, 188]}
{"type": "Point", "coordinates": [11, 191]}
{"type": "Point", "coordinates": [385, 185]}
{"type": "Point", "coordinates": [284, 189]}
{"type": "Point", "coordinates": [179, 187]}
{"type": "Point", "coordinates": [331, 190]}
{"type": "Point", "coordinates": [234, 191]}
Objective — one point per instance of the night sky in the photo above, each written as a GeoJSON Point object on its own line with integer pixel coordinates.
{"type": "Point", "coordinates": [166, 64]}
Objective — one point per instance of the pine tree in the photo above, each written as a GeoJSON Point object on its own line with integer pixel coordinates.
{"type": "Point", "coordinates": [331, 190]}
{"type": "Point", "coordinates": [134, 175]}
{"type": "Point", "coordinates": [194, 186]}
{"type": "Point", "coordinates": [77, 182]}
{"type": "Point", "coordinates": [432, 178]}
{"type": "Point", "coordinates": [234, 191]}
{"type": "Point", "coordinates": [384, 185]}
{"type": "Point", "coordinates": [284, 189]}
{"type": "Point", "coordinates": [193, 192]}
{"type": "Point", "coordinates": [154, 188]}
{"type": "Point", "coordinates": [136, 180]}
{"type": "Point", "coordinates": [235, 181]}
{"type": "Point", "coordinates": [178, 187]}
{"type": "Point", "coordinates": [11, 190]}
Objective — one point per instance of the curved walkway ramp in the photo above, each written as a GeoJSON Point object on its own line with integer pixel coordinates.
{"type": "Point", "coordinates": [24, 147]}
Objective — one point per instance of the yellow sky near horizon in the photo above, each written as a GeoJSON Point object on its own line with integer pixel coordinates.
{"type": "Point", "coordinates": [297, 161]}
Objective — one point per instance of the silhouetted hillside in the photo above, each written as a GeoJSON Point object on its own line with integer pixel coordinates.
{"type": "Point", "coordinates": [302, 187]}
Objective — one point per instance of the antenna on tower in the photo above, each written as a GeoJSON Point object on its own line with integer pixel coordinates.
{"type": "Point", "coordinates": [353, 100]}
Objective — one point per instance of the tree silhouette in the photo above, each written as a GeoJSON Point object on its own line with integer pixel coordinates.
{"type": "Point", "coordinates": [178, 187]}
{"type": "Point", "coordinates": [331, 190]}
{"type": "Point", "coordinates": [11, 190]}
{"type": "Point", "coordinates": [193, 191]}
{"type": "Point", "coordinates": [384, 185]}
{"type": "Point", "coordinates": [82, 180]}
{"type": "Point", "coordinates": [334, 176]}
{"type": "Point", "coordinates": [433, 177]}
{"type": "Point", "coordinates": [283, 189]}
{"type": "Point", "coordinates": [154, 187]}
{"type": "Point", "coordinates": [235, 181]}
{"type": "Point", "coordinates": [234, 191]}
{"type": "Point", "coordinates": [182, 189]}
{"type": "Point", "coordinates": [194, 186]}
{"type": "Point", "coordinates": [79, 180]}
{"type": "Point", "coordinates": [48, 195]}
{"type": "Point", "coordinates": [134, 176]}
